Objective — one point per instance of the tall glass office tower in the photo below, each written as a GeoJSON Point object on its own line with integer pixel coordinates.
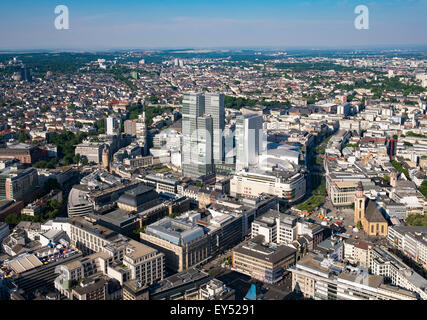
{"type": "Point", "coordinates": [203, 121]}
{"type": "Point", "coordinates": [214, 106]}
{"type": "Point", "coordinates": [249, 140]}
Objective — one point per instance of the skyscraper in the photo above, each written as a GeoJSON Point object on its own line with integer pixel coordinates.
{"type": "Point", "coordinates": [214, 106]}
{"type": "Point", "coordinates": [204, 158]}
{"type": "Point", "coordinates": [25, 74]}
{"type": "Point", "coordinates": [193, 106]}
{"type": "Point", "coordinates": [203, 122]}
{"type": "Point", "coordinates": [141, 132]}
{"type": "Point", "coordinates": [249, 140]}
{"type": "Point", "coordinates": [112, 126]}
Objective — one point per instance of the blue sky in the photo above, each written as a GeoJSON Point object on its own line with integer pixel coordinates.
{"type": "Point", "coordinates": [96, 24]}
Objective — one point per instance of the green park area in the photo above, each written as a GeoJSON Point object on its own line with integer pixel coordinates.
{"type": "Point", "coordinates": [417, 220]}
{"type": "Point", "coordinates": [317, 197]}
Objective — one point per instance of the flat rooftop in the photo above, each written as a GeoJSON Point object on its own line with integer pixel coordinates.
{"type": "Point", "coordinates": [188, 276]}
{"type": "Point", "coordinates": [273, 254]}
{"type": "Point", "coordinates": [93, 228]}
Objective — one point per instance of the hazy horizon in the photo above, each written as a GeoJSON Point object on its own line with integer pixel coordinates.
{"type": "Point", "coordinates": [169, 24]}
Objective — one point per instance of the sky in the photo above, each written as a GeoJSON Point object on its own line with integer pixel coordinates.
{"type": "Point", "coordinates": [143, 24]}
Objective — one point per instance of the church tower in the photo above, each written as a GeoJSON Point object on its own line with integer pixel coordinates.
{"type": "Point", "coordinates": [106, 158]}
{"type": "Point", "coordinates": [393, 179]}
{"type": "Point", "coordinates": [359, 204]}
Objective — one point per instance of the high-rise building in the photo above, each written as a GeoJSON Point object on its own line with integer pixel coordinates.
{"type": "Point", "coordinates": [204, 158]}
{"type": "Point", "coordinates": [249, 140]}
{"type": "Point", "coordinates": [141, 132]}
{"type": "Point", "coordinates": [26, 74]}
{"type": "Point", "coordinates": [112, 126]}
{"type": "Point", "coordinates": [202, 128]}
{"type": "Point", "coordinates": [193, 107]}
{"type": "Point", "coordinates": [130, 127]}
{"type": "Point", "coordinates": [214, 106]}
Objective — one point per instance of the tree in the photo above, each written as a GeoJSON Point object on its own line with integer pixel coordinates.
{"type": "Point", "coordinates": [23, 136]}
{"type": "Point", "coordinates": [407, 144]}
{"type": "Point", "coordinates": [76, 158]}
{"type": "Point", "coordinates": [52, 163]}
{"type": "Point", "coordinates": [51, 184]}
{"type": "Point", "coordinates": [12, 219]}
{"type": "Point", "coordinates": [359, 225]}
{"type": "Point", "coordinates": [68, 160]}
{"type": "Point", "coordinates": [42, 164]}
{"type": "Point", "coordinates": [423, 188]}
{"type": "Point", "coordinates": [417, 220]}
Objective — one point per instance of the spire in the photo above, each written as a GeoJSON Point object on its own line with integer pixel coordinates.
{"type": "Point", "coordinates": [359, 190]}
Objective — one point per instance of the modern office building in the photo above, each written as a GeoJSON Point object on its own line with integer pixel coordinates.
{"type": "Point", "coordinates": [249, 140]}
{"type": "Point", "coordinates": [193, 106]}
{"type": "Point", "coordinates": [162, 183]}
{"type": "Point", "coordinates": [214, 106]}
{"type": "Point", "coordinates": [202, 122]}
{"type": "Point", "coordinates": [78, 202]}
{"type": "Point", "coordinates": [141, 132]}
{"type": "Point", "coordinates": [183, 243]}
{"type": "Point", "coordinates": [112, 125]}
{"type": "Point", "coordinates": [276, 227]}
{"type": "Point", "coordinates": [266, 263]}
{"type": "Point", "coordinates": [26, 74]}
{"type": "Point", "coordinates": [4, 231]}
{"type": "Point", "coordinates": [321, 278]}
{"type": "Point", "coordinates": [289, 186]}
{"type": "Point", "coordinates": [342, 187]}
{"type": "Point", "coordinates": [16, 184]}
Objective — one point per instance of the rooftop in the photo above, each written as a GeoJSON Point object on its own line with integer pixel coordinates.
{"type": "Point", "coordinates": [255, 249]}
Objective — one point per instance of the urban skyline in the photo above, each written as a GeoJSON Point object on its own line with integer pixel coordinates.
{"type": "Point", "coordinates": [230, 176]}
